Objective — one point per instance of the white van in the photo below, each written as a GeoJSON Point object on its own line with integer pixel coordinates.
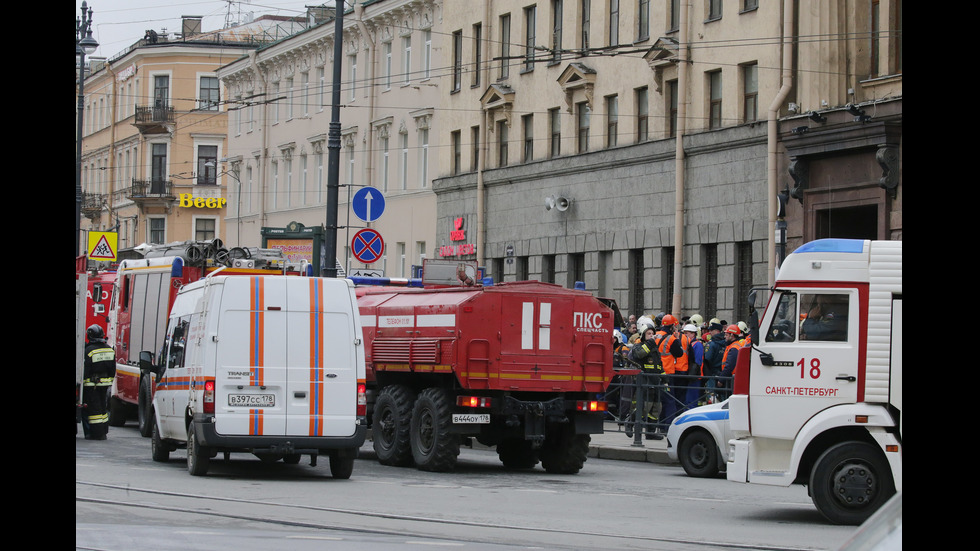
{"type": "Point", "coordinates": [268, 365]}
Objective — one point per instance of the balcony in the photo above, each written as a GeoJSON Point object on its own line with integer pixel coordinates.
{"type": "Point", "coordinates": [154, 120]}
{"type": "Point", "coordinates": [92, 205]}
{"type": "Point", "coordinates": [152, 193]}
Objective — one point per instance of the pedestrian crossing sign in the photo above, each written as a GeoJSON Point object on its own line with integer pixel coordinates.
{"type": "Point", "coordinates": [102, 245]}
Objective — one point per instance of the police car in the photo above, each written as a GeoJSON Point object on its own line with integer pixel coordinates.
{"type": "Point", "coordinates": [697, 438]}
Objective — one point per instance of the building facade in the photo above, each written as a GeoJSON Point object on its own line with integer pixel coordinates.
{"type": "Point", "coordinates": [154, 129]}
{"type": "Point", "coordinates": [640, 147]}
{"type": "Point", "coordinates": [392, 80]}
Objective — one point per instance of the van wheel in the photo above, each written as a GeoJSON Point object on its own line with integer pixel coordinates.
{"type": "Point", "coordinates": [850, 481]}
{"type": "Point", "coordinates": [563, 451]}
{"type": "Point", "coordinates": [342, 462]}
{"type": "Point", "coordinates": [698, 454]}
{"type": "Point", "coordinates": [434, 446]}
{"type": "Point", "coordinates": [390, 427]}
{"type": "Point", "coordinates": [144, 407]}
{"type": "Point", "coordinates": [159, 449]}
{"type": "Point", "coordinates": [198, 456]}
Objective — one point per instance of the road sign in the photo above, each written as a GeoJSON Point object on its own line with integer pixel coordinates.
{"type": "Point", "coordinates": [102, 245]}
{"type": "Point", "coordinates": [368, 204]}
{"type": "Point", "coordinates": [367, 245]}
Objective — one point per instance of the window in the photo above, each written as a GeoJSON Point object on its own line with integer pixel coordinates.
{"type": "Point", "coordinates": [321, 87]}
{"type": "Point", "coordinates": [384, 163]}
{"type": "Point", "coordinates": [642, 114]}
{"type": "Point", "coordinates": [305, 93]}
{"type": "Point", "coordinates": [675, 15]}
{"type": "Point", "coordinates": [643, 20]}
{"type": "Point", "coordinates": [502, 143]}
{"type": "Point", "coordinates": [505, 46]}
{"type": "Point", "coordinates": [576, 269]}
{"type": "Point", "coordinates": [530, 16]}
{"type": "Point", "coordinates": [352, 74]}
{"type": "Point", "coordinates": [554, 122]}
{"type": "Point", "coordinates": [401, 259]}
{"type": "Point", "coordinates": [158, 168]}
{"type": "Point", "coordinates": [667, 277]}
{"type": "Point", "coordinates": [743, 278]}
{"type": "Point", "coordinates": [386, 47]}
{"type": "Point", "coordinates": [613, 22]}
{"type": "Point", "coordinates": [275, 184]}
{"type": "Point", "coordinates": [457, 60]}
{"type": "Point", "coordinates": [612, 120]}
{"type": "Point", "coordinates": [586, 24]}
{"type": "Point", "coordinates": [288, 162]}
{"type": "Point", "coordinates": [824, 315]}
{"type": "Point", "coordinates": [407, 59]}
{"type": "Point", "coordinates": [583, 116]}
{"type": "Point", "coordinates": [477, 54]}
{"type": "Point", "coordinates": [161, 92]}
{"type": "Point", "coordinates": [556, 15]}
{"type": "Point", "coordinates": [750, 93]}
{"type": "Point", "coordinates": [207, 164]}
{"type": "Point", "coordinates": [528, 123]}
{"type": "Point", "coordinates": [290, 98]}
{"type": "Point", "coordinates": [204, 229]}
{"type": "Point", "coordinates": [157, 230]}
{"type": "Point", "coordinates": [750, 5]}
{"type": "Point", "coordinates": [455, 139]}
{"type": "Point", "coordinates": [548, 268]}
{"type": "Point", "coordinates": [672, 108]}
{"type": "Point", "coordinates": [475, 142]}
{"type": "Point", "coordinates": [709, 278]}
{"type": "Point", "coordinates": [208, 100]}
{"type": "Point", "coordinates": [404, 169]}
{"type": "Point", "coordinates": [714, 9]}
{"type": "Point", "coordinates": [275, 102]}
{"type": "Point", "coordinates": [424, 159]}
{"type": "Point", "coordinates": [427, 54]}
{"type": "Point", "coordinates": [714, 106]}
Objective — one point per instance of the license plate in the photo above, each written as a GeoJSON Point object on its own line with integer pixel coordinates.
{"type": "Point", "coordinates": [471, 418]}
{"type": "Point", "coordinates": [252, 400]}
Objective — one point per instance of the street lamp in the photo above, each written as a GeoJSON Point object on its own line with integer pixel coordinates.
{"type": "Point", "coordinates": [84, 44]}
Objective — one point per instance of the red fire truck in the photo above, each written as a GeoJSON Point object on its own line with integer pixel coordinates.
{"type": "Point", "coordinates": [144, 292]}
{"type": "Point", "coordinates": [516, 365]}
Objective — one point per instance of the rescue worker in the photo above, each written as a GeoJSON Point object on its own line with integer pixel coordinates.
{"type": "Point", "coordinates": [645, 354]}
{"type": "Point", "coordinates": [733, 336]}
{"type": "Point", "coordinates": [713, 354]}
{"type": "Point", "coordinates": [672, 347]}
{"type": "Point", "coordinates": [100, 368]}
{"type": "Point", "coordinates": [695, 359]}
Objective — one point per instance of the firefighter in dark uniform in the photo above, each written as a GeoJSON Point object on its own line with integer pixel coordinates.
{"type": "Point", "coordinates": [100, 368]}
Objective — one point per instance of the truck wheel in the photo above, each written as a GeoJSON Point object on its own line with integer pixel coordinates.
{"type": "Point", "coordinates": [850, 481]}
{"type": "Point", "coordinates": [515, 453]}
{"type": "Point", "coordinates": [434, 446]}
{"type": "Point", "coordinates": [342, 462]}
{"type": "Point", "coordinates": [390, 427]}
{"type": "Point", "coordinates": [117, 412]}
{"type": "Point", "coordinates": [159, 449]}
{"type": "Point", "coordinates": [564, 452]}
{"type": "Point", "coordinates": [198, 456]}
{"type": "Point", "coordinates": [144, 407]}
{"type": "Point", "coordinates": [698, 454]}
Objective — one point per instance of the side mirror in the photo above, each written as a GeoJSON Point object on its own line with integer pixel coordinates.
{"type": "Point", "coordinates": [97, 292]}
{"type": "Point", "coordinates": [146, 362]}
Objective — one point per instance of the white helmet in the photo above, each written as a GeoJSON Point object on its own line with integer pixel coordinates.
{"type": "Point", "coordinates": [690, 328]}
{"type": "Point", "coordinates": [619, 335]}
{"type": "Point", "coordinates": [644, 320]}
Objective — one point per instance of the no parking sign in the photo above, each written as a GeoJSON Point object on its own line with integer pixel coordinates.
{"type": "Point", "coordinates": [367, 245]}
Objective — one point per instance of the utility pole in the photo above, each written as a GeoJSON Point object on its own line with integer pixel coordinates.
{"type": "Point", "coordinates": [333, 148]}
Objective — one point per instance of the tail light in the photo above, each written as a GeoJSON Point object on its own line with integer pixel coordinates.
{"type": "Point", "coordinates": [361, 400]}
{"type": "Point", "coordinates": [208, 397]}
{"type": "Point", "coordinates": [590, 405]}
{"type": "Point", "coordinates": [473, 401]}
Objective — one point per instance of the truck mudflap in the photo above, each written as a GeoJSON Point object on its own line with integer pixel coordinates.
{"type": "Point", "coordinates": [208, 436]}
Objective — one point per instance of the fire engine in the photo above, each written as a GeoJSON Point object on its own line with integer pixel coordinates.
{"type": "Point", "coordinates": [818, 396]}
{"type": "Point", "coordinates": [141, 300]}
{"type": "Point", "coordinates": [515, 365]}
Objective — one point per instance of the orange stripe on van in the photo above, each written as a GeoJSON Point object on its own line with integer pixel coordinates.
{"type": "Point", "coordinates": [256, 329]}
{"type": "Point", "coordinates": [255, 422]}
{"type": "Point", "coordinates": [316, 357]}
